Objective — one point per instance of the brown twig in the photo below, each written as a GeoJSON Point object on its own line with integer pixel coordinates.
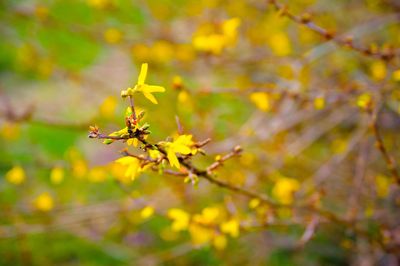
{"type": "Point", "coordinates": [386, 54]}
{"type": "Point", "coordinates": [390, 162]}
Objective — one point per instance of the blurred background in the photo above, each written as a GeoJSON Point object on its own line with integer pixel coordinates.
{"type": "Point", "coordinates": [240, 72]}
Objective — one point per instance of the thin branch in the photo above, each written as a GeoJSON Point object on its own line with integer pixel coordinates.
{"type": "Point", "coordinates": [386, 54]}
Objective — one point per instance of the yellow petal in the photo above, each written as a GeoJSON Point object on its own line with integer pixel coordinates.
{"type": "Point", "coordinates": [16, 175]}
{"type": "Point", "coordinates": [182, 149]}
{"type": "Point", "coordinates": [147, 212]}
{"type": "Point", "coordinates": [180, 219]}
{"type": "Point", "coordinates": [57, 175]}
{"type": "Point", "coordinates": [230, 227]}
{"type": "Point", "coordinates": [173, 160]}
{"type": "Point", "coordinates": [126, 160]}
{"type": "Point", "coordinates": [152, 88]}
{"type": "Point", "coordinates": [143, 74]}
{"type": "Point", "coordinates": [150, 96]}
{"type": "Point", "coordinates": [44, 202]}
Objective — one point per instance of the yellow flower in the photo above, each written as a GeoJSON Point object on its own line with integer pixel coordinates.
{"type": "Point", "coordinates": [107, 108]}
{"type": "Point", "coordinates": [132, 164]}
{"type": "Point", "coordinates": [261, 100]}
{"type": "Point", "coordinates": [230, 227]}
{"type": "Point", "coordinates": [284, 189]}
{"type": "Point", "coordinates": [154, 154]}
{"type": "Point", "coordinates": [364, 100]}
{"type": "Point", "coordinates": [382, 186]}
{"type": "Point", "coordinates": [280, 44]}
{"type": "Point", "coordinates": [229, 29]}
{"type": "Point", "coordinates": [181, 145]}
{"type": "Point", "coordinates": [219, 242]}
{"type": "Point", "coordinates": [396, 75]}
{"type": "Point", "coordinates": [180, 219]}
{"type": "Point", "coordinates": [112, 35]}
{"type": "Point", "coordinates": [79, 168]}
{"type": "Point", "coordinates": [99, 4]}
{"type": "Point", "coordinates": [207, 216]}
{"type": "Point", "coordinates": [319, 103]}
{"type": "Point", "coordinates": [10, 131]}
{"type": "Point", "coordinates": [44, 202]}
{"type": "Point", "coordinates": [147, 212]}
{"type": "Point", "coordinates": [57, 175]}
{"type": "Point", "coordinates": [254, 203]}
{"type": "Point", "coordinates": [97, 174]}
{"type": "Point", "coordinates": [378, 70]}
{"type": "Point", "coordinates": [147, 90]}
{"type": "Point", "coordinates": [16, 175]}
{"type": "Point", "coordinates": [200, 235]}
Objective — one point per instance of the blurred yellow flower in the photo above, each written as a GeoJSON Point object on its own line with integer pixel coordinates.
{"type": "Point", "coordinates": [200, 235]}
{"type": "Point", "coordinates": [57, 175]}
{"type": "Point", "coordinates": [107, 108]}
{"type": "Point", "coordinates": [16, 175]}
{"type": "Point", "coordinates": [10, 131]}
{"type": "Point", "coordinates": [254, 203]}
{"type": "Point", "coordinates": [396, 75]}
{"type": "Point", "coordinates": [207, 216]}
{"type": "Point", "coordinates": [364, 100]}
{"type": "Point", "coordinates": [132, 166]}
{"type": "Point", "coordinates": [41, 12]}
{"type": "Point", "coordinates": [97, 174]}
{"type": "Point", "coordinates": [319, 103]}
{"type": "Point", "coordinates": [284, 189]}
{"type": "Point", "coordinates": [230, 227]}
{"type": "Point", "coordinates": [147, 90]}
{"type": "Point", "coordinates": [180, 219]}
{"type": "Point", "coordinates": [99, 4]}
{"type": "Point", "coordinates": [213, 43]}
{"type": "Point", "coordinates": [216, 42]}
{"type": "Point", "coordinates": [147, 212]}
{"type": "Point", "coordinates": [382, 185]}
{"type": "Point", "coordinates": [261, 100]}
{"type": "Point", "coordinates": [118, 172]}
{"type": "Point", "coordinates": [219, 242]}
{"type": "Point", "coordinates": [378, 70]}
{"type": "Point", "coordinates": [229, 29]}
{"type": "Point", "coordinates": [44, 202]}
{"type": "Point", "coordinates": [112, 35]}
{"type": "Point", "coordinates": [79, 168]}
{"type": "Point", "coordinates": [280, 44]}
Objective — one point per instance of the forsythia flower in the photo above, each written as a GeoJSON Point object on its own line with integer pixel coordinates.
{"type": "Point", "coordinates": [147, 90]}
{"type": "Point", "coordinates": [216, 42]}
{"type": "Point", "coordinates": [57, 175]}
{"type": "Point", "coordinates": [319, 103]}
{"type": "Point", "coordinates": [280, 44]}
{"type": "Point", "coordinates": [219, 242]}
{"type": "Point", "coordinates": [181, 145]}
{"type": "Point", "coordinates": [200, 235]}
{"type": "Point", "coordinates": [230, 227]}
{"type": "Point", "coordinates": [180, 219]}
{"type": "Point", "coordinates": [107, 108]}
{"type": "Point", "coordinates": [44, 202]}
{"type": "Point", "coordinates": [147, 212]}
{"type": "Point", "coordinates": [207, 216]}
{"type": "Point", "coordinates": [133, 166]}
{"type": "Point", "coordinates": [16, 175]}
{"type": "Point", "coordinates": [378, 70]}
{"type": "Point", "coordinates": [364, 100]}
{"type": "Point", "coordinates": [284, 189]}
{"type": "Point", "coordinates": [261, 100]}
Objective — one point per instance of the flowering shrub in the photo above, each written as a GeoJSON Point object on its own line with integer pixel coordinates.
{"type": "Point", "coordinates": [258, 132]}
